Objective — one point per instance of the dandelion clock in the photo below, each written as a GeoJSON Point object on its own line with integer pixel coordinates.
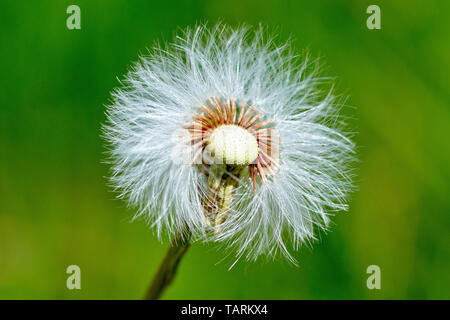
{"type": "Point", "coordinates": [224, 136]}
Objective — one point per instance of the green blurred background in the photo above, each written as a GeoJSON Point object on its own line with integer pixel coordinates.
{"type": "Point", "coordinates": [55, 207]}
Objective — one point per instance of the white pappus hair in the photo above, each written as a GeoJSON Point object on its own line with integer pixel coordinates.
{"type": "Point", "coordinates": [161, 96]}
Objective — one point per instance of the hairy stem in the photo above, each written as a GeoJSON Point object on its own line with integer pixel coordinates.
{"type": "Point", "coordinates": [222, 182]}
{"type": "Point", "coordinates": [168, 268]}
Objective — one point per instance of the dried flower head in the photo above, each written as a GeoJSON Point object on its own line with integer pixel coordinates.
{"type": "Point", "coordinates": [228, 137]}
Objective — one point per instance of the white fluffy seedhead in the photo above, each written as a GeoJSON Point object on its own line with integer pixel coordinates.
{"type": "Point", "coordinates": [208, 77]}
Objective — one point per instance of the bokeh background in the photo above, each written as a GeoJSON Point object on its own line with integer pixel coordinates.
{"type": "Point", "coordinates": [55, 207]}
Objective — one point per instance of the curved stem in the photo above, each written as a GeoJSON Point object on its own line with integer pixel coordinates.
{"type": "Point", "coordinates": [168, 268]}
